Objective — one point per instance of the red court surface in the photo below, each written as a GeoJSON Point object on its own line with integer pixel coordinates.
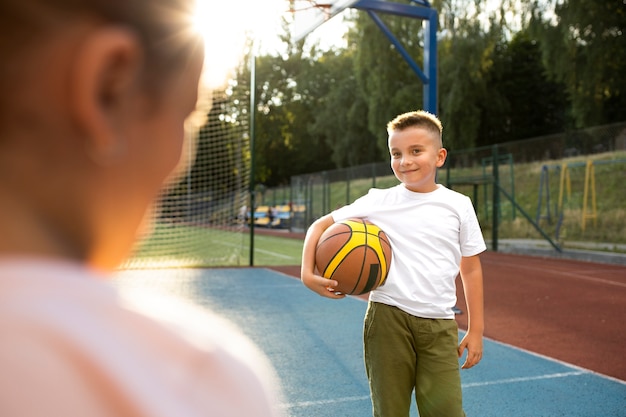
{"type": "Point", "coordinates": [568, 310]}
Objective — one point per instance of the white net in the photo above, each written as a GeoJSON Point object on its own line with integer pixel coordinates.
{"type": "Point", "coordinates": [197, 222]}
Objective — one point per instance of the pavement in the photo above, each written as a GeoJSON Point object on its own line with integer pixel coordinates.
{"type": "Point", "coordinates": [315, 346]}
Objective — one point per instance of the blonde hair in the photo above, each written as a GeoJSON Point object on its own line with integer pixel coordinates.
{"type": "Point", "coordinates": [418, 118]}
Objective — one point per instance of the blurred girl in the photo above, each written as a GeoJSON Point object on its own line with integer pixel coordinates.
{"type": "Point", "coordinates": [94, 98]}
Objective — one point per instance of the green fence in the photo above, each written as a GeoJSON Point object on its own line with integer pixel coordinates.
{"type": "Point", "coordinates": [508, 186]}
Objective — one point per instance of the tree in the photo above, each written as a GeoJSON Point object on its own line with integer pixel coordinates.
{"type": "Point", "coordinates": [319, 110]}
{"type": "Point", "coordinates": [527, 103]}
{"type": "Point", "coordinates": [339, 110]}
{"type": "Point", "coordinates": [465, 58]}
{"type": "Point", "coordinates": [584, 47]}
{"type": "Point", "coordinates": [284, 145]}
{"type": "Point", "coordinates": [384, 81]}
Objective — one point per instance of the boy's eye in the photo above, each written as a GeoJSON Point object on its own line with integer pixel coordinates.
{"type": "Point", "coordinates": [395, 154]}
{"type": "Point", "coordinates": [416, 151]}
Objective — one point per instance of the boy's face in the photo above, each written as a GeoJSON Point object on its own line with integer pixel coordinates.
{"type": "Point", "coordinates": [415, 156]}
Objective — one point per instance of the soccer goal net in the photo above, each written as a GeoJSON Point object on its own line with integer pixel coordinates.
{"type": "Point", "coordinates": [198, 221]}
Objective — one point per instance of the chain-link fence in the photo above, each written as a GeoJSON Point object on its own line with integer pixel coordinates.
{"type": "Point", "coordinates": [562, 188]}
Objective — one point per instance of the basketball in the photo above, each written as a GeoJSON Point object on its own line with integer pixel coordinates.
{"type": "Point", "coordinates": [356, 253]}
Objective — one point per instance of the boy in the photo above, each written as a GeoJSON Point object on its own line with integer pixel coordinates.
{"type": "Point", "coordinates": [410, 335]}
{"type": "Point", "coordinates": [94, 99]}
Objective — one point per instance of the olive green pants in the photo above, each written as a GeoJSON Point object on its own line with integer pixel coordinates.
{"type": "Point", "coordinates": [405, 353]}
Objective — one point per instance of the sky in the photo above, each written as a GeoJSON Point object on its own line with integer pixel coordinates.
{"type": "Point", "coordinates": [233, 20]}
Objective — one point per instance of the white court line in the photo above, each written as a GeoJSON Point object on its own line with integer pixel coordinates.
{"type": "Point", "coordinates": [554, 360]}
{"type": "Point", "coordinates": [325, 402]}
{"type": "Point", "coordinates": [278, 255]}
{"type": "Point", "coordinates": [301, 404]}
{"type": "Point", "coordinates": [267, 252]}
{"type": "Point", "coordinates": [523, 379]}
{"type": "Point", "coordinates": [577, 371]}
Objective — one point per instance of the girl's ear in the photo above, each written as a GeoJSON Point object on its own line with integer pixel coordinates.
{"type": "Point", "coordinates": [105, 71]}
{"type": "Point", "coordinates": [442, 153]}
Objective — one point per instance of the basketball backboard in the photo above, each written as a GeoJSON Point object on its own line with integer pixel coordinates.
{"type": "Point", "coordinates": [308, 15]}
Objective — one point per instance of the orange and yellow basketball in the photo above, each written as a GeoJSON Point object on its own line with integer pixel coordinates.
{"type": "Point", "coordinates": [356, 253]}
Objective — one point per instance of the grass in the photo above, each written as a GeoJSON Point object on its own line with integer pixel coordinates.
{"type": "Point", "coordinates": [177, 245]}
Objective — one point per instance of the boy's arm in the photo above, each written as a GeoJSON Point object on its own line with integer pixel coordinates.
{"type": "Point", "coordinates": [472, 277]}
{"type": "Point", "coordinates": [316, 283]}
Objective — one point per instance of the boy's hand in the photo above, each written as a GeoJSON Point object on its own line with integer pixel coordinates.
{"type": "Point", "coordinates": [474, 344]}
{"type": "Point", "coordinates": [323, 286]}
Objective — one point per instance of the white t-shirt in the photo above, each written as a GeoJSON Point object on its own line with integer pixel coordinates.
{"type": "Point", "coordinates": [429, 233]}
{"type": "Point", "coordinates": [72, 346]}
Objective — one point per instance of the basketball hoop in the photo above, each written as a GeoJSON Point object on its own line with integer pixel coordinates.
{"type": "Point", "coordinates": [309, 14]}
{"type": "Point", "coordinates": [324, 8]}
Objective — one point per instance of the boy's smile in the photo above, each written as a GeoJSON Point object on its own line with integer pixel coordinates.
{"type": "Point", "coordinates": [415, 156]}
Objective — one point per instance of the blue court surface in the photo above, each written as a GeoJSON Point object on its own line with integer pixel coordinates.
{"type": "Point", "coordinates": [315, 345]}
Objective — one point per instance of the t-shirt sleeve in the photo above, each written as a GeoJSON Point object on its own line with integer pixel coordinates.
{"type": "Point", "coordinates": [360, 208]}
{"type": "Point", "coordinates": [471, 237]}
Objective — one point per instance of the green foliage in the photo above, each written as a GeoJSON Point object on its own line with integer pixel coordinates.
{"type": "Point", "coordinates": [463, 91]}
{"type": "Point", "coordinates": [385, 80]}
{"type": "Point", "coordinates": [523, 102]}
{"type": "Point", "coordinates": [286, 105]}
{"type": "Point", "coordinates": [345, 132]}
{"type": "Point", "coordinates": [524, 69]}
{"type": "Point", "coordinates": [584, 47]}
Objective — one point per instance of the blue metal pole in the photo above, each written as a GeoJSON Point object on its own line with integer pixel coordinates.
{"type": "Point", "coordinates": [399, 47]}
{"type": "Point", "coordinates": [421, 11]}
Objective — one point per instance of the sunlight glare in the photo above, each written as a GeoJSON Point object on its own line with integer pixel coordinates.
{"type": "Point", "coordinates": [227, 24]}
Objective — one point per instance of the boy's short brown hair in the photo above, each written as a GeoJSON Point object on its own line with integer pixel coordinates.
{"type": "Point", "coordinates": [418, 118]}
